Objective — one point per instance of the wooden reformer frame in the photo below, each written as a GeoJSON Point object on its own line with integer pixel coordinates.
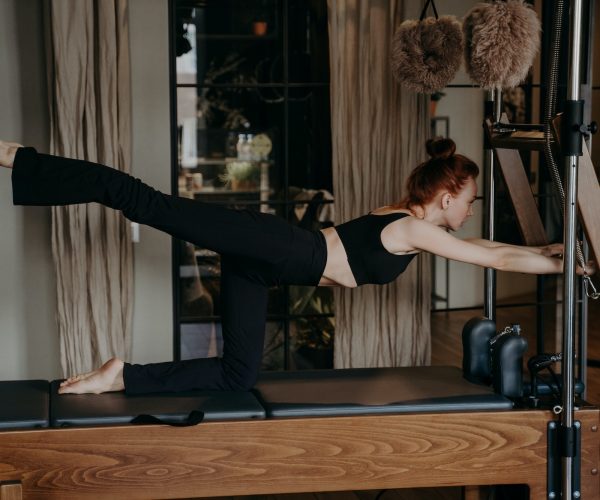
{"type": "Point", "coordinates": [290, 455]}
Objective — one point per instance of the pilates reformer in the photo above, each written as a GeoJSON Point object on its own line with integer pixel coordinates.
{"type": "Point", "coordinates": [322, 430]}
{"type": "Point", "coordinates": [307, 431]}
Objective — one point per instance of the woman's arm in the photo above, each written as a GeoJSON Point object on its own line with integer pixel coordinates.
{"type": "Point", "coordinates": [425, 236]}
{"type": "Point", "coordinates": [550, 250]}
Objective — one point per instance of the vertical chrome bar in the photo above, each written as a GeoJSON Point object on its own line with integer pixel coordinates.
{"type": "Point", "coordinates": [571, 165]}
{"type": "Point", "coordinates": [490, 190]}
{"type": "Point", "coordinates": [586, 95]}
{"type": "Point", "coordinates": [498, 105]}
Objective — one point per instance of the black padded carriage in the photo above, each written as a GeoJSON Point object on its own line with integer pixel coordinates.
{"type": "Point", "coordinates": [36, 403]}
{"type": "Point", "coordinates": [24, 405]}
{"type": "Point", "coordinates": [116, 408]}
{"type": "Point", "coordinates": [363, 391]}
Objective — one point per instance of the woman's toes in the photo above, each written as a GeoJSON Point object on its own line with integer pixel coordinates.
{"type": "Point", "coordinates": [75, 378]}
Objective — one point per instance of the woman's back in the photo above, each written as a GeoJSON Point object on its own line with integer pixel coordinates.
{"type": "Point", "coordinates": [370, 261]}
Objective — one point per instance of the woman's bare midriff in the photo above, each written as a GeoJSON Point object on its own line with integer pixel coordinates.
{"type": "Point", "coordinates": [337, 269]}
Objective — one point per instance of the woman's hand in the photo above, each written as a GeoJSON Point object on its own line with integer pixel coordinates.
{"type": "Point", "coordinates": [557, 250]}
{"type": "Point", "coordinates": [588, 270]}
{"type": "Point", "coordinates": [553, 250]}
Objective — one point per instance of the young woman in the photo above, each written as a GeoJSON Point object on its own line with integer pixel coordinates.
{"type": "Point", "coordinates": [260, 250]}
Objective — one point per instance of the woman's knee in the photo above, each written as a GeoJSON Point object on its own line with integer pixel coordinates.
{"type": "Point", "coordinates": [238, 378]}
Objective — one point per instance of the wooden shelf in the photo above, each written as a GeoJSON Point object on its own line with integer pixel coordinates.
{"type": "Point", "coordinates": [523, 140]}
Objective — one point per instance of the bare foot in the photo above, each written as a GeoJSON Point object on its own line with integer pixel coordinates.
{"type": "Point", "coordinates": [8, 150]}
{"type": "Point", "coordinates": [107, 378]}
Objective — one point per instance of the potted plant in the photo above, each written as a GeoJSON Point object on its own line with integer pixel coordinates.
{"type": "Point", "coordinates": [314, 336]}
{"type": "Point", "coordinates": [259, 18]}
{"type": "Point", "coordinates": [241, 175]}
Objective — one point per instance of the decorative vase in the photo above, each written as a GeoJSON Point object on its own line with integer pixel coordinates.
{"type": "Point", "coordinates": [432, 107]}
{"type": "Point", "coordinates": [242, 185]}
{"type": "Point", "coordinates": [259, 28]}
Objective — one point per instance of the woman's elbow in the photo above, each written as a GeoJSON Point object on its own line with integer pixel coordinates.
{"type": "Point", "coordinates": [500, 264]}
{"type": "Point", "coordinates": [497, 258]}
{"type": "Point", "coordinates": [501, 259]}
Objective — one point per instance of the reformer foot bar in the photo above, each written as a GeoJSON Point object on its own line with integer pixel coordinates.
{"type": "Point", "coordinates": [313, 431]}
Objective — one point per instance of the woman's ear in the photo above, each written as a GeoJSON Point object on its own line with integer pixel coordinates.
{"type": "Point", "coordinates": [446, 199]}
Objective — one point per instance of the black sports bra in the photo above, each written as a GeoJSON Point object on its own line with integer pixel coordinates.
{"type": "Point", "coordinates": [369, 261]}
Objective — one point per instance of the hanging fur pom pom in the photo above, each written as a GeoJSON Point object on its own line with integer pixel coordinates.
{"type": "Point", "coordinates": [427, 54]}
{"type": "Point", "coordinates": [501, 42]}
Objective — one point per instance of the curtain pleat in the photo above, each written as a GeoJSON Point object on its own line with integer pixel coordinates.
{"type": "Point", "coordinates": [89, 92]}
{"type": "Point", "coordinates": [378, 136]}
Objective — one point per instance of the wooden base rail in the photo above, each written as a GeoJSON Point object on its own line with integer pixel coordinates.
{"type": "Point", "coordinates": [289, 455]}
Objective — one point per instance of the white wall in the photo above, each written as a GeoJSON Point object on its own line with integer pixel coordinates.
{"type": "Point", "coordinates": [28, 332]}
{"type": "Point", "coordinates": [153, 313]}
{"type": "Point", "coordinates": [464, 107]}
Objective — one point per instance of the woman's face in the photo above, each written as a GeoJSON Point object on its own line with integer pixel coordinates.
{"type": "Point", "coordinates": [460, 205]}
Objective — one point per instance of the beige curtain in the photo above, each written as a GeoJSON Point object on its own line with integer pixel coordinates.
{"type": "Point", "coordinates": [378, 133]}
{"type": "Point", "coordinates": [89, 93]}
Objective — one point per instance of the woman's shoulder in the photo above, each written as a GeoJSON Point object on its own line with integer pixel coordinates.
{"type": "Point", "coordinates": [386, 210]}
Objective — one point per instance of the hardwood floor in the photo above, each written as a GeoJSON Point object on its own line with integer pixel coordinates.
{"type": "Point", "coordinates": [416, 494]}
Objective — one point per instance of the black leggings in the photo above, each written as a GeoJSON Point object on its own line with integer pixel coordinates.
{"type": "Point", "coordinates": [258, 251]}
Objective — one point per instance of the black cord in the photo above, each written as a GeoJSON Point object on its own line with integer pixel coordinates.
{"type": "Point", "coordinates": [558, 392]}
{"type": "Point", "coordinates": [555, 391]}
{"type": "Point", "coordinates": [424, 11]}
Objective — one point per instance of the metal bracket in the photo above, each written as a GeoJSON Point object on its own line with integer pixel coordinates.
{"type": "Point", "coordinates": [555, 451]}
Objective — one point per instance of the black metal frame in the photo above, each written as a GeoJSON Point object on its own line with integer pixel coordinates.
{"type": "Point", "coordinates": [286, 85]}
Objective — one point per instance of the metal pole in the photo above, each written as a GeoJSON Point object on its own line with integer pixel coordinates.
{"type": "Point", "coordinates": [495, 98]}
{"type": "Point", "coordinates": [586, 95]}
{"type": "Point", "coordinates": [571, 165]}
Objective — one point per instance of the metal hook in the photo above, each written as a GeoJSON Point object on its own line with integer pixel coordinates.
{"type": "Point", "coordinates": [587, 284]}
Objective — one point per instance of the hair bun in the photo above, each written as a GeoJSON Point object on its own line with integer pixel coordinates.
{"type": "Point", "coordinates": [440, 147]}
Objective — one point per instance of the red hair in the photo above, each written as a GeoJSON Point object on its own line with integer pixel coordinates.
{"type": "Point", "coordinates": [444, 171]}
